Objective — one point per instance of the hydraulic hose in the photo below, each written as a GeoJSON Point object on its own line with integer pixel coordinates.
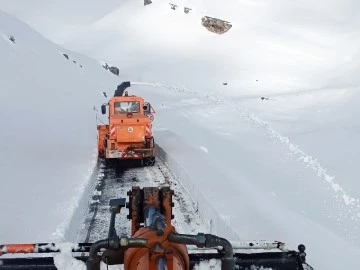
{"type": "Point", "coordinates": [209, 241]}
{"type": "Point", "coordinates": [114, 243]}
{"type": "Point", "coordinates": [93, 262]}
{"type": "Point", "coordinates": [155, 220]}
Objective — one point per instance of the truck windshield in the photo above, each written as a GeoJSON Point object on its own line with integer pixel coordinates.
{"type": "Point", "coordinates": [126, 107]}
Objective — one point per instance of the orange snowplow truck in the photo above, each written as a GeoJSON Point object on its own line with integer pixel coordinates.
{"type": "Point", "coordinates": [129, 133]}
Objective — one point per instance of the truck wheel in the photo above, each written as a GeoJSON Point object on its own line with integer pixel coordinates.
{"type": "Point", "coordinates": [149, 161]}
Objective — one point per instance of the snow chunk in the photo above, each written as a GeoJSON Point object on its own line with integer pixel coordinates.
{"type": "Point", "coordinates": [206, 265]}
{"type": "Point", "coordinates": [204, 149]}
{"type": "Point", "coordinates": [64, 260]}
{"type": "Point", "coordinates": [253, 267]}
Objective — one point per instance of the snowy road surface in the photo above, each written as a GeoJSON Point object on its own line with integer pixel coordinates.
{"type": "Point", "coordinates": [115, 182]}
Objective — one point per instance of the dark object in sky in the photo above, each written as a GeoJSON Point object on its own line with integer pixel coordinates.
{"type": "Point", "coordinates": [114, 70]}
{"type": "Point", "coordinates": [147, 2]}
{"type": "Point", "coordinates": [74, 62]}
{"type": "Point", "coordinates": [11, 38]}
{"type": "Point", "coordinates": [105, 95]}
{"type": "Point", "coordinates": [225, 83]}
{"type": "Point", "coordinates": [173, 6]}
{"type": "Point", "coordinates": [216, 25]}
{"type": "Point", "coordinates": [187, 10]}
{"type": "Point", "coordinates": [266, 98]}
{"type": "Point", "coordinates": [66, 56]}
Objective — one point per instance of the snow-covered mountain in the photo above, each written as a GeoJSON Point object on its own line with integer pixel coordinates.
{"type": "Point", "coordinates": [283, 167]}
{"type": "Point", "coordinates": [286, 46]}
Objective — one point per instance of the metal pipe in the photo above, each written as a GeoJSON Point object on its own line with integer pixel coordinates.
{"type": "Point", "coordinates": [132, 242]}
{"type": "Point", "coordinates": [208, 241]}
{"type": "Point", "coordinates": [228, 261]}
{"type": "Point", "coordinates": [112, 231]}
{"type": "Point", "coordinates": [187, 239]}
{"type": "Point", "coordinates": [262, 244]}
{"type": "Point", "coordinates": [250, 245]}
{"type": "Point", "coordinates": [93, 262]}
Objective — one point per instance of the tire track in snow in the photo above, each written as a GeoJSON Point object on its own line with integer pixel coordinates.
{"type": "Point", "coordinates": [349, 205]}
{"type": "Point", "coordinates": [114, 183]}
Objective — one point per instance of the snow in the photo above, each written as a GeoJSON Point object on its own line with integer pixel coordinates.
{"type": "Point", "coordinates": [211, 264]}
{"type": "Point", "coordinates": [282, 168]}
{"type": "Point", "coordinates": [204, 149]}
{"type": "Point", "coordinates": [48, 143]}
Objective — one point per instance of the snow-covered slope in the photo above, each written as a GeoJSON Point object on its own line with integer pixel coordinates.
{"type": "Point", "coordinates": [48, 134]}
{"type": "Point", "coordinates": [274, 45]}
{"type": "Point", "coordinates": [261, 179]}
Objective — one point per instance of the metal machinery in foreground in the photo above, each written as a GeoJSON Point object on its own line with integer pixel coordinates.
{"type": "Point", "coordinates": [154, 243]}
{"type": "Point", "coordinates": [129, 133]}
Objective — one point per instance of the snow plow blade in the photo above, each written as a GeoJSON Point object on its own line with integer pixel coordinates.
{"type": "Point", "coordinates": [274, 260]}
{"type": "Point", "coordinates": [155, 244]}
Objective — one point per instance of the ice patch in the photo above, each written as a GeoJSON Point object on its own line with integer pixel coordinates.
{"type": "Point", "coordinates": [204, 149]}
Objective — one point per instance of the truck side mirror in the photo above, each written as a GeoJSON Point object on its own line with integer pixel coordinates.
{"type": "Point", "coordinates": [103, 109]}
{"type": "Point", "coordinates": [146, 108]}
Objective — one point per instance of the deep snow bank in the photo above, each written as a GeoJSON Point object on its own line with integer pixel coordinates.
{"type": "Point", "coordinates": [251, 180]}
{"type": "Point", "coordinates": [48, 134]}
